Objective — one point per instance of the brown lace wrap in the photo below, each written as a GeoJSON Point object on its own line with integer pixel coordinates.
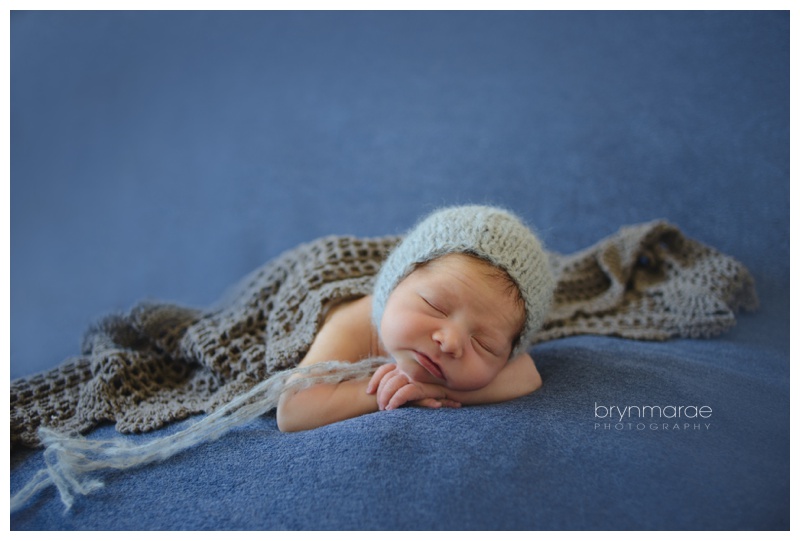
{"type": "Point", "coordinates": [162, 362]}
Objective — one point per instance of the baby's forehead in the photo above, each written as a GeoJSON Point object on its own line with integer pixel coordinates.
{"type": "Point", "coordinates": [501, 286]}
{"type": "Point", "coordinates": [465, 260]}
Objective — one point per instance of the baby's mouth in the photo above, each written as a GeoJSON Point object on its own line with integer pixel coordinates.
{"type": "Point", "coordinates": [429, 365]}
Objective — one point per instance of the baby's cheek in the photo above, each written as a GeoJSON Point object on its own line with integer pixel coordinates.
{"type": "Point", "coordinates": [399, 330]}
{"type": "Point", "coordinates": [388, 334]}
{"type": "Point", "coordinates": [477, 378]}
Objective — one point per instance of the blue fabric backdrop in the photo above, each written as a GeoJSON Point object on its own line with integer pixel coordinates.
{"type": "Point", "coordinates": [165, 154]}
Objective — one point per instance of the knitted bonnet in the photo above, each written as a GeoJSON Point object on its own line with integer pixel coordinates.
{"type": "Point", "coordinates": [491, 233]}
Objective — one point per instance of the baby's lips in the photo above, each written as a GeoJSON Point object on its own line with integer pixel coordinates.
{"type": "Point", "coordinates": [426, 362]}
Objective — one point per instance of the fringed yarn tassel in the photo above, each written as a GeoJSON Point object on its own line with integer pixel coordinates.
{"type": "Point", "coordinates": [71, 458]}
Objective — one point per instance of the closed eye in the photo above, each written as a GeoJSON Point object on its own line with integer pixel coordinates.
{"type": "Point", "coordinates": [485, 347]}
{"type": "Point", "coordinates": [433, 306]}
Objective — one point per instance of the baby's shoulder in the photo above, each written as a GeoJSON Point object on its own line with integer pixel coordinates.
{"type": "Point", "coordinates": [346, 333]}
{"type": "Point", "coordinates": [350, 313]}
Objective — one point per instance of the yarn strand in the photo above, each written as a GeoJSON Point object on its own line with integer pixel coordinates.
{"type": "Point", "coordinates": [70, 458]}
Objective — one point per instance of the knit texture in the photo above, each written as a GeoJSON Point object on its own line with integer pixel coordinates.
{"type": "Point", "coordinates": [490, 233]}
{"type": "Point", "coordinates": [162, 362]}
{"type": "Point", "coordinates": [73, 461]}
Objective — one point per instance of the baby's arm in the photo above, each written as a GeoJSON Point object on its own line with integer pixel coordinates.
{"type": "Point", "coordinates": [345, 336]}
{"type": "Point", "coordinates": [324, 404]}
{"type": "Point", "coordinates": [518, 378]}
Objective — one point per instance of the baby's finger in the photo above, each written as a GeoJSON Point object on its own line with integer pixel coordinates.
{"type": "Point", "coordinates": [389, 388]}
{"type": "Point", "coordinates": [409, 393]}
{"type": "Point", "coordinates": [428, 403]}
{"type": "Point", "coordinates": [381, 376]}
{"type": "Point", "coordinates": [381, 385]}
{"type": "Point", "coordinates": [376, 378]}
{"type": "Point", "coordinates": [447, 403]}
{"type": "Point", "coordinates": [389, 385]}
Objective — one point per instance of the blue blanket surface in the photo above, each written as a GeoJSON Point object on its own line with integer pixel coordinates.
{"type": "Point", "coordinates": [166, 154]}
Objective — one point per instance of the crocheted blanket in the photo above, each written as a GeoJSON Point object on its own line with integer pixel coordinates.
{"type": "Point", "coordinates": [162, 362]}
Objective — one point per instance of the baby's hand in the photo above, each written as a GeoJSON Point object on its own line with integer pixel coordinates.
{"type": "Point", "coordinates": [393, 389]}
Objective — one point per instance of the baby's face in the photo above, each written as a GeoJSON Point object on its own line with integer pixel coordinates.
{"type": "Point", "coordinates": [452, 322]}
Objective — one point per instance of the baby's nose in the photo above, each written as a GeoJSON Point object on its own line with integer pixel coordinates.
{"type": "Point", "coordinates": [449, 341]}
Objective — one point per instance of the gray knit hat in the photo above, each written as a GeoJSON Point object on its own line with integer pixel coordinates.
{"type": "Point", "coordinates": [490, 233]}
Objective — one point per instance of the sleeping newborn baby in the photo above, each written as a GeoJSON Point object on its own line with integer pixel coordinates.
{"type": "Point", "coordinates": [455, 307]}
